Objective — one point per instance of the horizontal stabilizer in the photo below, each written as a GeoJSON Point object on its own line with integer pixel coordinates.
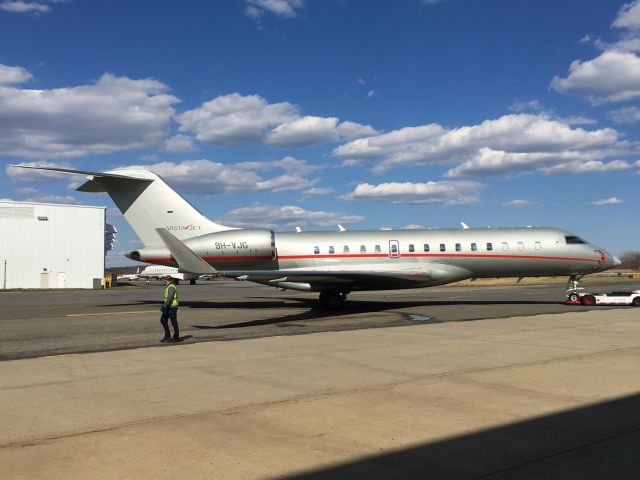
{"type": "Point", "coordinates": [187, 260]}
{"type": "Point", "coordinates": [93, 185]}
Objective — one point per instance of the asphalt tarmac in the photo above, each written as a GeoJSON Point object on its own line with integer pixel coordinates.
{"type": "Point", "coordinates": [41, 323]}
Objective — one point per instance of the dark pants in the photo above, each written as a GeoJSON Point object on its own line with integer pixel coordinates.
{"type": "Point", "coordinates": [170, 314]}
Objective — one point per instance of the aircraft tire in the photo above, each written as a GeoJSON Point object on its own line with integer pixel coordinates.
{"type": "Point", "coordinates": [636, 302]}
{"type": "Point", "coordinates": [333, 300]}
{"type": "Point", "coordinates": [192, 281]}
{"type": "Point", "coordinates": [588, 300]}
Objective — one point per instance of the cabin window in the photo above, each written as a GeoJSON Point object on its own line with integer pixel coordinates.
{"type": "Point", "coordinates": [573, 240]}
{"type": "Point", "coordinates": [505, 246]}
{"type": "Point", "coordinates": [538, 246]}
{"type": "Point", "coordinates": [331, 249]}
{"type": "Point", "coordinates": [426, 247]}
{"type": "Point", "coordinates": [520, 246]}
{"type": "Point", "coordinates": [394, 248]}
{"type": "Point", "coordinates": [412, 248]}
{"type": "Point", "coordinates": [378, 249]}
{"type": "Point", "coordinates": [442, 247]}
{"type": "Point", "coordinates": [458, 247]}
{"type": "Point", "coordinates": [316, 250]}
{"type": "Point", "coordinates": [489, 246]}
{"type": "Point", "coordinates": [474, 247]}
{"type": "Point", "coordinates": [345, 249]}
{"type": "Point", "coordinates": [363, 249]}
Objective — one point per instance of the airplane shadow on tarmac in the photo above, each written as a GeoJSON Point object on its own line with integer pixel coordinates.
{"type": "Point", "coordinates": [593, 442]}
{"type": "Point", "coordinates": [313, 311]}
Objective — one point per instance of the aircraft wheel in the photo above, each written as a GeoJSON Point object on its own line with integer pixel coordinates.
{"type": "Point", "coordinates": [588, 300]}
{"type": "Point", "coordinates": [574, 297]}
{"type": "Point", "coordinates": [192, 281]}
{"type": "Point", "coordinates": [333, 300]}
{"type": "Point", "coordinates": [636, 302]}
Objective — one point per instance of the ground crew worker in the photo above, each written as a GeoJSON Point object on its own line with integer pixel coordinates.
{"type": "Point", "coordinates": [170, 311]}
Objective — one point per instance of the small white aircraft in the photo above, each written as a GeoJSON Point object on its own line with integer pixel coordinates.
{"type": "Point", "coordinates": [334, 263]}
{"type": "Point", "coordinates": [161, 271]}
{"type": "Point", "coordinates": [130, 276]}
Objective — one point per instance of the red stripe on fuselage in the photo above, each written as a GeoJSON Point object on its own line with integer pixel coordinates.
{"type": "Point", "coordinates": [379, 255]}
{"type": "Point", "coordinates": [456, 255]}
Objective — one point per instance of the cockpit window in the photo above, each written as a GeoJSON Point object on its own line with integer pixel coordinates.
{"type": "Point", "coordinates": [573, 240]}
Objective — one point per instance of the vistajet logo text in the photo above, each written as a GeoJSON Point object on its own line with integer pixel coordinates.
{"type": "Point", "coordinates": [183, 228]}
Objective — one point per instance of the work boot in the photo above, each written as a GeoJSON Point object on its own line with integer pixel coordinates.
{"type": "Point", "coordinates": [165, 340]}
{"type": "Point", "coordinates": [175, 339]}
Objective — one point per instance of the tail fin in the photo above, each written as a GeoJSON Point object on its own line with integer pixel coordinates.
{"type": "Point", "coordinates": [147, 203]}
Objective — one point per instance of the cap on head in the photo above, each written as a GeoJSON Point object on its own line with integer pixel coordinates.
{"type": "Point", "coordinates": [168, 277]}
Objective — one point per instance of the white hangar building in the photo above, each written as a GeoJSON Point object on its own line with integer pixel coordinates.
{"type": "Point", "coordinates": [52, 246]}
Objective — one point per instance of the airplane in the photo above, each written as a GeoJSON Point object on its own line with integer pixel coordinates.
{"type": "Point", "coordinates": [161, 271]}
{"type": "Point", "coordinates": [333, 264]}
{"type": "Point", "coordinates": [130, 276]}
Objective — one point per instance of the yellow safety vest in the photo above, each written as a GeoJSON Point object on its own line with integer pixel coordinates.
{"type": "Point", "coordinates": [174, 303]}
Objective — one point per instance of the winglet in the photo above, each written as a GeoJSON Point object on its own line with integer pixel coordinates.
{"type": "Point", "coordinates": [187, 260]}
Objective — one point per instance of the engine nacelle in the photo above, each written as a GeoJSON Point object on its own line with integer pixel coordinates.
{"type": "Point", "coordinates": [236, 248]}
{"type": "Point", "coordinates": [231, 249]}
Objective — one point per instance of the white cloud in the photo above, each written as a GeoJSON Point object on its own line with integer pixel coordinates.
{"type": "Point", "coordinates": [207, 177]}
{"type": "Point", "coordinates": [587, 38]}
{"type": "Point", "coordinates": [625, 115]}
{"type": "Point", "coordinates": [318, 191]}
{"type": "Point", "coordinates": [304, 131]}
{"type": "Point", "coordinates": [591, 166]}
{"type": "Point", "coordinates": [13, 75]}
{"type": "Point", "coordinates": [51, 198]}
{"type": "Point", "coordinates": [113, 114]}
{"type": "Point", "coordinates": [19, 6]}
{"type": "Point", "coordinates": [614, 75]}
{"type": "Point", "coordinates": [413, 226]}
{"type": "Point", "coordinates": [371, 93]}
{"type": "Point", "coordinates": [607, 201]}
{"type": "Point", "coordinates": [611, 77]}
{"type": "Point", "coordinates": [577, 120]}
{"type": "Point", "coordinates": [519, 203]}
{"type": "Point", "coordinates": [235, 119]}
{"type": "Point", "coordinates": [350, 130]}
{"type": "Point", "coordinates": [281, 8]}
{"type": "Point", "coordinates": [489, 162]}
{"type": "Point", "coordinates": [524, 141]}
{"type": "Point", "coordinates": [287, 216]}
{"type": "Point", "coordinates": [429, 193]}
{"type": "Point", "coordinates": [522, 105]}
{"type": "Point", "coordinates": [179, 143]}
{"type": "Point", "coordinates": [628, 16]}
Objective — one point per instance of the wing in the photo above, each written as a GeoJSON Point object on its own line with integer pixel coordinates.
{"type": "Point", "coordinates": [355, 277]}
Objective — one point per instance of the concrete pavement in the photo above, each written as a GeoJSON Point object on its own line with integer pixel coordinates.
{"type": "Point", "coordinates": [337, 404]}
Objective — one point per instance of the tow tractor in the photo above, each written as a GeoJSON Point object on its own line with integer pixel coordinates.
{"type": "Point", "coordinates": [576, 296]}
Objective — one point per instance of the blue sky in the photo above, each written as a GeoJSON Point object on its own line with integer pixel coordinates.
{"type": "Point", "coordinates": [310, 113]}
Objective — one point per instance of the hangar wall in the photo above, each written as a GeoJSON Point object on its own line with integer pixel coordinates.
{"type": "Point", "coordinates": [51, 246]}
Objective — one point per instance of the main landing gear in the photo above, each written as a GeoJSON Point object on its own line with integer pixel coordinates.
{"type": "Point", "coordinates": [332, 300]}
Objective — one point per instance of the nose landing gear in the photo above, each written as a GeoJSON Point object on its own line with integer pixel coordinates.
{"type": "Point", "coordinates": [332, 300]}
{"type": "Point", "coordinates": [572, 290]}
